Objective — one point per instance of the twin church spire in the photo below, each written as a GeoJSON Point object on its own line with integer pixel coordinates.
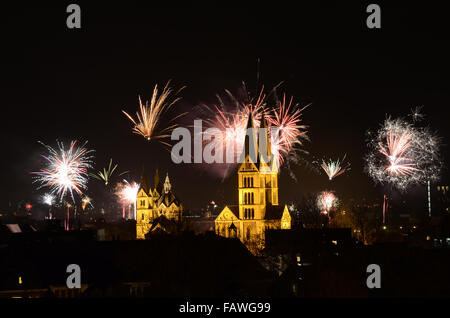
{"type": "Point", "coordinates": [252, 149]}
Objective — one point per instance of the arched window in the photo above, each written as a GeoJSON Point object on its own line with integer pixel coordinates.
{"type": "Point", "coordinates": [251, 182]}
{"type": "Point", "coordinates": [253, 213]}
{"type": "Point", "coordinates": [245, 213]}
{"type": "Point", "coordinates": [253, 198]}
{"type": "Point", "coordinates": [245, 182]}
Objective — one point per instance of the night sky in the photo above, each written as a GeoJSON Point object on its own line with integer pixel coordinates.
{"type": "Point", "coordinates": [73, 84]}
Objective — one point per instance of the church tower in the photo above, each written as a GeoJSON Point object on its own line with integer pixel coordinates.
{"type": "Point", "coordinates": [268, 167]}
{"type": "Point", "coordinates": [248, 177]}
{"type": "Point", "coordinates": [258, 209]}
{"type": "Point", "coordinates": [154, 204]}
{"type": "Point", "coordinates": [144, 207]}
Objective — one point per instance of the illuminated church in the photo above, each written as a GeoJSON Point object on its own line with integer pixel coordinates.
{"type": "Point", "coordinates": [152, 204]}
{"type": "Point", "coordinates": [258, 208]}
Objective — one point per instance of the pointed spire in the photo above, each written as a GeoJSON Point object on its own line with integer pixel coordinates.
{"type": "Point", "coordinates": [264, 125]}
{"type": "Point", "coordinates": [250, 133]}
{"type": "Point", "coordinates": [144, 182]}
{"type": "Point", "coordinates": [156, 179]}
{"type": "Point", "coordinates": [167, 185]}
{"type": "Point", "coordinates": [250, 120]}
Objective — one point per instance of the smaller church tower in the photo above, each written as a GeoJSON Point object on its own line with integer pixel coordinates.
{"type": "Point", "coordinates": [144, 207]}
{"type": "Point", "coordinates": [167, 185]}
{"type": "Point", "coordinates": [156, 204]}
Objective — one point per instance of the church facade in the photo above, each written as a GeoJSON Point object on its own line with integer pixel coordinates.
{"type": "Point", "coordinates": [152, 204]}
{"type": "Point", "coordinates": [258, 209]}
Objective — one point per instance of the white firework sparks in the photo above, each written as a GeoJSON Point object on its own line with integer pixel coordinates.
{"type": "Point", "coordinates": [326, 201]}
{"type": "Point", "coordinates": [403, 155]}
{"type": "Point", "coordinates": [66, 170]}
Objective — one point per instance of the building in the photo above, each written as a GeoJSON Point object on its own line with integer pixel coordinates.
{"type": "Point", "coordinates": [258, 208]}
{"type": "Point", "coordinates": [442, 200]}
{"type": "Point", "coordinates": [33, 265]}
{"type": "Point", "coordinates": [154, 203]}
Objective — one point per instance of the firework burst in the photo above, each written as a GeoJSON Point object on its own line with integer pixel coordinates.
{"type": "Point", "coordinates": [402, 155]}
{"type": "Point", "coordinates": [66, 170]}
{"type": "Point", "coordinates": [107, 173]}
{"type": "Point", "coordinates": [48, 199]}
{"type": "Point", "coordinates": [148, 117]}
{"type": "Point", "coordinates": [233, 122]}
{"type": "Point", "coordinates": [416, 114]}
{"type": "Point", "coordinates": [231, 119]}
{"type": "Point", "coordinates": [334, 168]}
{"type": "Point", "coordinates": [286, 118]}
{"type": "Point", "coordinates": [326, 201]}
{"type": "Point", "coordinates": [86, 201]}
{"type": "Point", "coordinates": [127, 192]}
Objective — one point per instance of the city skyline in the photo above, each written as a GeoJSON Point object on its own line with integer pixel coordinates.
{"type": "Point", "coordinates": [88, 79]}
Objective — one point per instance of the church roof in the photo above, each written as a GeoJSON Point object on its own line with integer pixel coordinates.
{"type": "Point", "coordinates": [234, 209]}
{"type": "Point", "coordinates": [168, 199]}
{"type": "Point", "coordinates": [162, 225]}
{"type": "Point", "coordinates": [274, 212]}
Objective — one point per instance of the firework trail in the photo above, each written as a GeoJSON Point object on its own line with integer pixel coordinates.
{"type": "Point", "coordinates": [107, 173]}
{"type": "Point", "coordinates": [326, 201]}
{"type": "Point", "coordinates": [403, 155]}
{"type": "Point", "coordinates": [66, 171]}
{"type": "Point", "coordinates": [149, 114]}
{"type": "Point", "coordinates": [334, 168]}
